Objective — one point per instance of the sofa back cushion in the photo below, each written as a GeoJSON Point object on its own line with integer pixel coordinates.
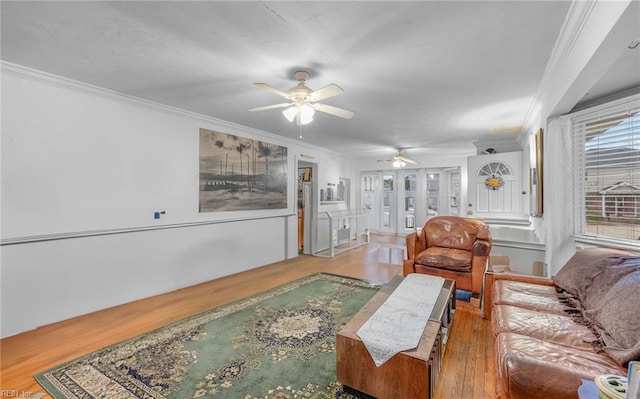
{"type": "Point", "coordinates": [451, 232]}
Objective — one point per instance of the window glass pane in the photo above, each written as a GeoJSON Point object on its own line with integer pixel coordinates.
{"type": "Point", "coordinates": [387, 181]}
{"type": "Point", "coordinates": [610, 166]}
{"type": "Point", "coordinates": [494, 168]}
{"type": "Point", "coordinates": [410, 181]}
{"type": "Point", "coordinates": [454, 193]}
{"type": "Point", "coordinates": [410, 192]}
{"type": "Point", "coordinates": [433, 193]}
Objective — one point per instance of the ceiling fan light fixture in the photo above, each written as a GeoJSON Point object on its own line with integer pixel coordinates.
{"type": "Point", "coordinates": [306, 114]}
{"type": "Point", "coordinates": [302, 114]}
{"type": "Point", "coordinates": [290, 113]}
{"type": "Point", "coordinates": [398, 163]}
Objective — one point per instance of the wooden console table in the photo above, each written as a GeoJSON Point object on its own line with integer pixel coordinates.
{"type": "Point", "coordinates": [410, 374]}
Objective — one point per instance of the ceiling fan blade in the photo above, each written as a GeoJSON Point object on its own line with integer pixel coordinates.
{"type": "Point", "coordinates": [407, 160]}
{"type": "Point", "coordinates": [326, 92]}
{"type": "Point", "coordinates": [342, 113]}
{"type": "Point", "coordinates": [385, 160]}
{"type": "Point", "coordinates": [266, 107]}
{"type": "Point", "coordinates": [272, 89]}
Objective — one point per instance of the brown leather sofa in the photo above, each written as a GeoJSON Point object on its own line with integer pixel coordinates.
{"type": "Point", "coordinates": [552, 333]}
{"type": "Point", "coordinates": [452, 247]}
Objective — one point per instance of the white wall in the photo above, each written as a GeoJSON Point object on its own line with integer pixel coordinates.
{"type": "Point", "coordinates": [594, 36]}
{"type": "Point", "coordinates": [83, 170]}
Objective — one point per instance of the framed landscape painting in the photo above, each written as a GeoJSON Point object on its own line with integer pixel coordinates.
{"type": "Point", "coordinates": [238, 173]}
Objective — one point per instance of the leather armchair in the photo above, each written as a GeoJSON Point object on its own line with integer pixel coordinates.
{"type": "Point", "coordinates": [452, 247]}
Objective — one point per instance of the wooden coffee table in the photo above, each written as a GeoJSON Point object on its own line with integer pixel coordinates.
{"type": "Point", "coordinates": [410, 374]}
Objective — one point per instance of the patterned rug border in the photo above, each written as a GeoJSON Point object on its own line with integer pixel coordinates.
{"type": "Point", "coordinates": [51, 386]}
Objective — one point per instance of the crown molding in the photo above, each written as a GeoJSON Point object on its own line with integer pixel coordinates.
{"type": "Point", "coordinates": [573, 26]}
{"type": "Point", "coordinates": [46, 78]}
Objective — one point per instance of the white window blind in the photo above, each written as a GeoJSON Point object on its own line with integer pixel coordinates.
{"type": "Point", "coordinates": [607, 171]}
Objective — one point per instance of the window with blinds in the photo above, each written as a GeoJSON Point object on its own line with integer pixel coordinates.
{"type": "Point", "coordinates": [607, 145]}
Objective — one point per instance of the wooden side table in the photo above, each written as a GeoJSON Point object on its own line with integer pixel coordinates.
{"type": "Point", "coordinates": [409, 374]}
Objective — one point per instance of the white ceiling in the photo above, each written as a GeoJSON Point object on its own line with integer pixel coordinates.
{"type": "Point", "coordinates": [433, 76]}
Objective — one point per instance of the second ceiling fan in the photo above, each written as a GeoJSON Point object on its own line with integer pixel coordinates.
{"type": "Point", "coordinates": [302, 100]}
{"type": "Point", "coordinates": [399, 160]}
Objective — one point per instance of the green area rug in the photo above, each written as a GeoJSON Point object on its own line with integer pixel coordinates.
{"type": "Point", "coordinates": [277, 344]}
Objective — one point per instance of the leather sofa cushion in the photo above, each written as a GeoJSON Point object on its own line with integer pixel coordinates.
{"type": "Point", "coordinates": [526, 295]}
{"type": "Point", "coordinates": [530, 368]}
{"type": "Point", "coordinates": [446, 258]}
{"type": "Point", "coordinates": [550, 327]}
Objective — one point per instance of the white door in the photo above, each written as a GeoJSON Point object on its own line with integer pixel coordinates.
{"type": "Point", "coordinates": [495, 186]}
{"type": "Point", "coordinates": [407, 206]}
{"type": "Point", "coordinates": [388, 216]}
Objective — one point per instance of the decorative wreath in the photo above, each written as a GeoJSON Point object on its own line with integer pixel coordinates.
{"type": "Point", "coordinates": [494, 182]}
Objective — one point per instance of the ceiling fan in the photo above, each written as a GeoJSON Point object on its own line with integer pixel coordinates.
{"type": "Point", "coordinates": [399, 160]}
{"type": "Point", "coordinates": [302, 101]}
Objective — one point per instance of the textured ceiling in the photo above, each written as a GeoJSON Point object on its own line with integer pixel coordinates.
{"type": "Point", "coordinates": [434, 76]}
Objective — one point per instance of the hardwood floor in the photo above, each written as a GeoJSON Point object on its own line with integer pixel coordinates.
{"type": "Point", "coordinates": [467, 370]}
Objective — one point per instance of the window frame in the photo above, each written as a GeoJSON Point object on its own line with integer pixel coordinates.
{"type": "Point", "coordinates": [578, 122]}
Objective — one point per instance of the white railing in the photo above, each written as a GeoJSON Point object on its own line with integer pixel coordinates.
{"type": "Point", "coordinates": [341, 230]}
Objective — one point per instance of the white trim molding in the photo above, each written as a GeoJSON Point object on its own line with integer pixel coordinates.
{"type": "Point", "coordinates": [23, 72]}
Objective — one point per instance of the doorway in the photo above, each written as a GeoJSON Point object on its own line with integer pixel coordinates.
{"type": "Point", "coordinates": [495, 187]}
{"type": "Point", "coordinates": [400, 201]}
{"type": "Point", "coordinates": [307, 199]}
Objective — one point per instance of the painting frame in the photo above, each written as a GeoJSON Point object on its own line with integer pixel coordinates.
{"type": "Point", "coordinates": [241, 174]}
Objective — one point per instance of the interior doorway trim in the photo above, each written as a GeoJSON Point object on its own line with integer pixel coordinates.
{"type": "Point", "coordinates": [309, 196]}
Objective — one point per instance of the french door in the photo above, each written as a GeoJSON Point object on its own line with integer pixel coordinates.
{"type": "Point", "coordinates": [400, 201]}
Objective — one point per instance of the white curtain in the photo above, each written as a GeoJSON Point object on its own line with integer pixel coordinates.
{"type": "Point", "coordinates": [559, 203]}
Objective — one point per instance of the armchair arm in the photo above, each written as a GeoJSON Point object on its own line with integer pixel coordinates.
{"type": "Point", "coordinates": [408, 264]}
{"type": "Point", "coordinates": [411, 245]}
{"type": "Point", "coordinates": [481, 247]}
{"type": "Point", "coordinates": [484, 233]}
